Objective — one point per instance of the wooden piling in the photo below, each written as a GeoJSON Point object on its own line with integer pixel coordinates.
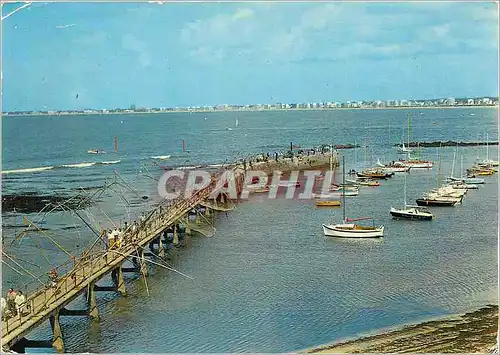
{"type": "Point", "coordinates": [93, 311]}
{"type": "Point", "coordinates": [57, 337]}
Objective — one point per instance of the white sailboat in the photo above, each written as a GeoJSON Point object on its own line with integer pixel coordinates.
{"type": "Point", "coordinates": [351, 230]}
{"type": "Point", "coordinates": [451, 177]}
{"type": "Point", "coordinates": [488, 161]}
{"type": "Point", "coordinates": [465, 180]}
{"type": "Point", "coordinates": [403, 149]}
{"type": "Point", "coordinates": [411, 212]}
{"type": "Point", "coordinates": [328, 200]}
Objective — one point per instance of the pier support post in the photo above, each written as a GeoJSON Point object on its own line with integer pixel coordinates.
{"type": "Point", "coordinates": [117, 276]}
{"type": "Point", "coordinates": [161, 250]}
{"type": "Point", "coordinates": [207, 211]}
{"type": "Point", "coordinates": [57, 337]}
{"type": "Point", "coordinates": [142, 262]}
{"type": "Point", "coordinates": [176, 235]}
{"type": "Point", "coordinates": [188, 228]}
{"type": "Point", "coordinates": [91, 302]}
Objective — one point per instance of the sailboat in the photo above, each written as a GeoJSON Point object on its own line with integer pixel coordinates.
{"type": "Point", "coordinates": [403, 149]}
{"type": "Point", "coordinates": [467, 180]}
{"type": "Point", "coordinates": [488, 161]}
{"type": "Point", "coordinates": [451, 177]}
{"type": "Point", "coordinates": [235, 125]}
{"type": "Point", "coordinates": [328, 200]}
{"type": "Point", "coordinates": [438, 197]}
{"type": "Point", "coordinates": [411, 212]}
{"type": "Point", "coordinates": [415, 162]}
{"type": "Point", "coordinates": [351, 230]}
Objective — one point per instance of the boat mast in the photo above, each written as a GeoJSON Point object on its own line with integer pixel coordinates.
{"type": "Point", "coordinates": [405, 191]}
{"type": "Point", "coordinates": [331, 158]}
{"type": "Point", "coordinates": [343, 187]}
{"type": "Point", "coordinates": [439, 166]}
{"type": "Point", "coordinates": [403, 138]}
{"type": "Point", "coordinates": [487, 150]}
{"type": "Point", "coordinates": [462, 167]}
{"type": "Point", "coordinates": [355, 153]}
{"type": "Point", "coordinates": [408, 131]}
{"type": "Point", "coordinates": [453, 164]}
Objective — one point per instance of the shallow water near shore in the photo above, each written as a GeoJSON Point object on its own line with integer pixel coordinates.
{"type": "Point", "coordinates": [269, 281]}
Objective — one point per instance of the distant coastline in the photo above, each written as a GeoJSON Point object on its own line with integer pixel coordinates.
{"type": "Point", "coordinates": [7, 114]}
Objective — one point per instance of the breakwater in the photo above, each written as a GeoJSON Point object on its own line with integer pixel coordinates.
{"type": "Point", "coordinates": [448, 144]}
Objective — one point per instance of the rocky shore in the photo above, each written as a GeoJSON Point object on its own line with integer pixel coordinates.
{"type": "Point", "coordinates": [474, 332]}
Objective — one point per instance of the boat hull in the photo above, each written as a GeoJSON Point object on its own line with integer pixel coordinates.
{"type": "Point", "coordinates": [420, 165]}
{"type": "Point", "coordinates": [325, 203]}
{"type": "Point", "coordinates": [398, 214]}
{"type": "Point", "coordinates": [431, 202]}
{"type": "Point", "coordinates": [346, 232]}
{"type": "Point", "coordinates": [374, 176]}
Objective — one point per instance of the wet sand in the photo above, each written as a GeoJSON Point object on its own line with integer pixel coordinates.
{"type": "Point", "coordinates": [473, 332]}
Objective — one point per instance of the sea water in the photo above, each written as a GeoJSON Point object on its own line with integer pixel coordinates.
{"type": "Point", "coordinates": [269, 281]}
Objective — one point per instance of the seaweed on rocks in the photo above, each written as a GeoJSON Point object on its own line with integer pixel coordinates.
{"type": "Point", "coordinates": [32, 203]}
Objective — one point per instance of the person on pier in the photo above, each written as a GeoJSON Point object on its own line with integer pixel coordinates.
{"type": "Point", "coordinates": [119, 238]}
{"type": "Point", "coordinates": [114, 240]}
{"type": "Point", "coordinates": [111, 239]}
{"type": "Point", "coordinates": [53, 277]}
{"type": "Point", "coordinates": [11, 301]}
{"type": "Point", "coordinates": [20, 301]}
{"type": "Point", "coordinates": [4, 309]}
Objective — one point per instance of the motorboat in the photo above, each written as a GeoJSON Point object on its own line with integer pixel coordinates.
{"type": "Point", "coordinates": [375, 174]}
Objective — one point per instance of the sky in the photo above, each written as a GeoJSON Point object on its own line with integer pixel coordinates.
{"type": "Point", "coordinates": [112, 55]}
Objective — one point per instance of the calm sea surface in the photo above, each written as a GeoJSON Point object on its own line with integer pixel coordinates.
{"type": "Point", "coordinates": [269, 281]}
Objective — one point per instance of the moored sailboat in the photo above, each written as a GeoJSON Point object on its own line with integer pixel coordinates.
{"type": "Point", "coordinates": [403, 149]}
{"type": "Point", "coordinates": [440, 196]}
{"type": "Point", "coordinates": [411, 212]}
{"type": "Point", "coordinates": [328, 200]}
{"type": "Point", "coordinates": [351, 230]}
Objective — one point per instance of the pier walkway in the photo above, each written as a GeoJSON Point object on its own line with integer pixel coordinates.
{"type": "Point", "coordinates": [48, 302]}
{"type": "Point", "coordinates": [80, 274]}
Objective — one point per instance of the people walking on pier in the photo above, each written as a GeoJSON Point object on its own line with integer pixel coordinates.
{"type": "Point", "coordinates": [53, 277]}
{"type": "Point", "coordinates": [111, 238]}
{"type": "Point", "coordinates": [119, 238]}
{"type": "Point", "coordinates": [4, 309]}
{"type": "Point", "coordinates": [20, 302]}
{"type": "Point", "coordinates": [11, 301]}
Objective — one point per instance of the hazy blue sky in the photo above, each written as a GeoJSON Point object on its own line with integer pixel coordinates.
{"type": "Point", "coordinates": [162, 55]}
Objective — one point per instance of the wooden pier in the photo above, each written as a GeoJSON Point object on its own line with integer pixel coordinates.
{"type": "Point", "coordinates": [48, 302]}
{"type": "Point", "coordinates": [80, 275]}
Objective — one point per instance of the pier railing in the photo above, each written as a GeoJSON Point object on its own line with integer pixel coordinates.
{"type": "Point", "coordinates": [79, 273]}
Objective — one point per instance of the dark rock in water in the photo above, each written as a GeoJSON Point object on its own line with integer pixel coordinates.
{"type": "Point", "coordinates": [30, 203]}
{"type": "Point", "coordinates": [447, 144]}
{"type": "Point", "coordinates": [346, 146]}
{"type": "Point", "coordinates": [145, 197]}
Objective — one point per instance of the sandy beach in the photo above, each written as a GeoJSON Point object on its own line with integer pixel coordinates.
{"type": "Point", "coordinates": [474, 332]}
